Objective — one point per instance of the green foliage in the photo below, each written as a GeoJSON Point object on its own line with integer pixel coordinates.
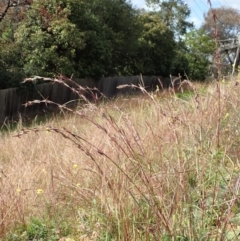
{"type": "Point", "coordinates": [7, 32]}
{"type": "Point", "coordinates": [200, 49]}
{"type": "Point", "coordinates": [95, 38]}
{"type": "Point", "coordinates": [174, 14]}
{"type": "Point", "coordinates": [38, 230]}
{"type": "Point", "coordinates": [180, 62]}
{"type": "Point", "coordinates": [178, 238]}
{"type": "Point", "coordinates": [85, 38]}
{"type": "Point", "coordinates": [156, 52]}
{"type": "Point", "coordinates": [10, 66]}
{"type": "Point", "coordinates": [123, 31]}
{"type": "Point", "coordinates": [48, 39]}
{"type": "Point", "coordinates": [10, 56]}
{"type": "Point", "coordinates": [186, 95]}
{"type": "Point", "coordinates": [95, 57]}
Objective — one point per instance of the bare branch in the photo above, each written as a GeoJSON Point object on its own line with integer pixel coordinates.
{"type": "Point", "coordinates": [11, 4]}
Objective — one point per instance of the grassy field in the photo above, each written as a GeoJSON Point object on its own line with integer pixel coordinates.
{"type": "Point", "coordinates": [160, 166]}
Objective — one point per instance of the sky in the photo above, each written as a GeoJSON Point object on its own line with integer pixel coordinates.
{"type": "Point", "coordinates": [198, 7]}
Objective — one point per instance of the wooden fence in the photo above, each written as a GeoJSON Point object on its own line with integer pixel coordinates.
{"type": "Point", "coordinates": [12, 100]}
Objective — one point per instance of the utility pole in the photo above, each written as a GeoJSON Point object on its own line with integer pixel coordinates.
{"type": "Point", "coordinates": [235, 64]}
{"type": "Point", "coordinates": [230, 46]}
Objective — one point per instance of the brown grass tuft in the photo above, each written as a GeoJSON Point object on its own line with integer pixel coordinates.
{"type": "Point", "coordinates": [136, 168]}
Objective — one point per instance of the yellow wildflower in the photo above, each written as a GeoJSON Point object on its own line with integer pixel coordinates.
{"type": "Point", "coordinates": [39, 191]}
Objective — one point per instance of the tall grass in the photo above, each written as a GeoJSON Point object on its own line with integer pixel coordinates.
{"type": "Point", "coordinates": [156, 166]}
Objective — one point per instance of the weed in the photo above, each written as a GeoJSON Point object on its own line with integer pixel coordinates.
{"type": "Point", "coordinates": [37, 230]}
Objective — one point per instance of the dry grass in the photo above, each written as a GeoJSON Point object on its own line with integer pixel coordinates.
{"type": "Point", "coordinates": [151, 167]}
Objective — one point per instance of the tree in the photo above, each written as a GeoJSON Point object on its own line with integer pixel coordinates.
{"type": "Point", "coordinates": [156, 46]}
{"type": "Point", "coordinates": [114, 24]}
{"type": "Point", "coordinates": [93, 38]}
{"type": "Point", "coordinates": [48, 39]}
{"type": "Point", "coordinates": [123, 31]}
{"type": "Point", "coordinates": [11, 14]}
{"type": "Point", "coordinates": [11, 70]}
{"type": "Point", "coordinates": [227, 22]}
{"type": "Point", "coordinates": [174, 14]}
{"type": "Point", "coordinates": [86, 38]}
{"type": "Point", "coordinates": [200, 51]}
